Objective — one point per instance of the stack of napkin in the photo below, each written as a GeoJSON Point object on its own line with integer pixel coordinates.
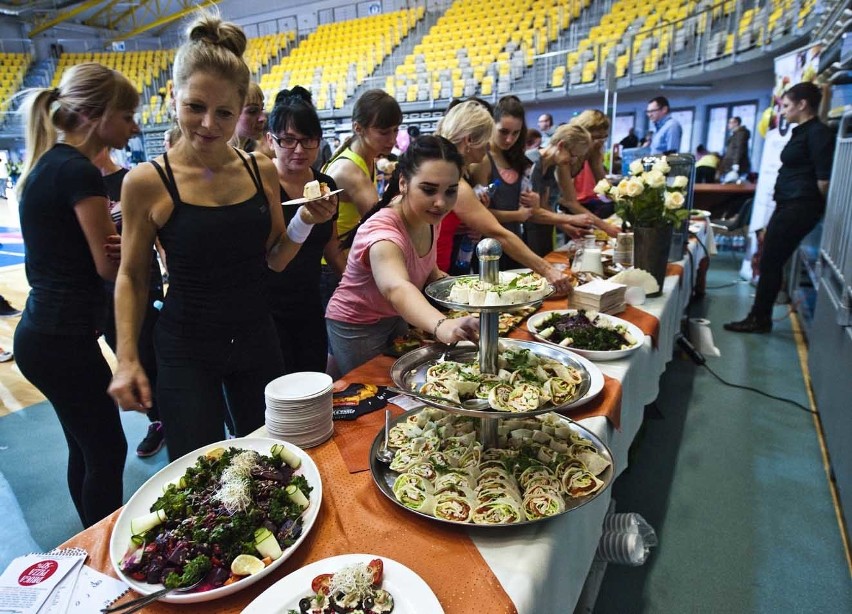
{"type": "Point", "coordinates": [599, 295]}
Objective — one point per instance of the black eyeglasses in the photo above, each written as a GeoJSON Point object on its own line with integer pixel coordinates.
{"type": "Point", "coordinates": [290, 142]}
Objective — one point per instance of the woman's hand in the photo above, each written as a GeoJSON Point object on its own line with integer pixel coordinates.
{"type": "Point", "coordinates": [318, 211]}
{"type": "Point", "coordinates": [581, 220]}
{"type": "Point", "coordinates": [452, 330]}
{"type": "Point", "coordinates": [112, 248]}
{"type": "Point", "coordinates": [609, 229]}
{"type": "Point", "coordinates": [130, 387]}
{"type": "Point", "coordinates": [557, 278]}
{"type": "Point", "coordinates": [530, 199]}
{"type": "Point", "coordinates": [572, 231]}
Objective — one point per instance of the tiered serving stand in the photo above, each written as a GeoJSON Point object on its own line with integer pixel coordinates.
{"type": "Point", "coordinates": [409, 372]}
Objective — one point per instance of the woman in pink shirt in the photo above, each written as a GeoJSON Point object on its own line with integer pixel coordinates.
{"type": "Point", "coordinates": [393, 256]}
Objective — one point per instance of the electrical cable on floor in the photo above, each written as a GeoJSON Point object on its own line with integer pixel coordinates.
{"type": "Point", "coordinates": [698, 358]}
{"type": "Point", "coordinates": [761, 392]}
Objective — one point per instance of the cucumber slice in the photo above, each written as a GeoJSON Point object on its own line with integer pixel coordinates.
{"type": "Point", "coordinates": [266, 543]}
{"type": "Point", "coordinates": [286, 455]}
{"type": "Point", "coordinates": [297, 496]}
{"type": "Point", "coordinates": [143, 524]}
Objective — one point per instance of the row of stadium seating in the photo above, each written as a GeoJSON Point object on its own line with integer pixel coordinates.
{"type": "Point", "coordinates": [475, 47]}
{"type": "Point", "coordinates": [13, 67]}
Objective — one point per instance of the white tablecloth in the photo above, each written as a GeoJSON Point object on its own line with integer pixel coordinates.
{"type": "Point", "coordinates": [543, 566]}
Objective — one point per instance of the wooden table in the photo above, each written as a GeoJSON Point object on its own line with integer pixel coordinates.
{"type": "Point", "coordinates": [721, 199]}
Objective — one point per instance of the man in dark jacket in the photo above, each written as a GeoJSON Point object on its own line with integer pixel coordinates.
{"type": "Point", "coordinates": [736, 149]}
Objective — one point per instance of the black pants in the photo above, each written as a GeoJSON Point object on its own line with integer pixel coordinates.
{"type": "Point", "coordinates": [789, 224]}
{"type": "Point", "coordinates": [73, 374]}
{"type": "Point", "coordinates": [302, 336]}
{"type": "Point", "coordinates": [202, 378]}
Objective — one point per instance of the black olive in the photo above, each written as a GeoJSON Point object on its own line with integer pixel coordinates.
{"type": "Point", "coordinates": [305, 605]}
{"type": "Point", "coordinates": [369, 602]}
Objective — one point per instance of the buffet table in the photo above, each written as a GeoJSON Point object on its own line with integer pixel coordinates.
{"type": "Point", "coordinates": [721, 199]}
{"type": "Point", "coordinates": [539, 567]}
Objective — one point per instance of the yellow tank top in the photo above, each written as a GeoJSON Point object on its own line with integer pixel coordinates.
{"type": "Point", "coordinates": [347, 213]}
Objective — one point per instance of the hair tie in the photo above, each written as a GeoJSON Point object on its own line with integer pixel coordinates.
{"type": "Point", "coordinates": [54, 94]}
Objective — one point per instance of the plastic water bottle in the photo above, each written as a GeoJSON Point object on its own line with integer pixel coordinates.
{"type": "Point", "coordinates": [492, 187]}
{"type": "Point", "coordinates": [465, 254]}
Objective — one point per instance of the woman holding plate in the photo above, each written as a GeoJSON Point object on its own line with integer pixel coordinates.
{"type": "Point", "coordinates": [294, 297]}
{"type": "Point", "coordinates": [393, 257]}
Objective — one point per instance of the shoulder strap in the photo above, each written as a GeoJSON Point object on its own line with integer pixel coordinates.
{"type": "Point", "coordinates": [168, 178]}
{"type": "Point", "coordinates": [255, 176]}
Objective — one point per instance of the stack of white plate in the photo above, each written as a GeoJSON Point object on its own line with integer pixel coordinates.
{"type": "Point", "coordinates": [298, 408]}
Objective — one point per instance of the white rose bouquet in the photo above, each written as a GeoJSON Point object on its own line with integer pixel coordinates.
{"type": "Point", "coordinates": [649, 197]}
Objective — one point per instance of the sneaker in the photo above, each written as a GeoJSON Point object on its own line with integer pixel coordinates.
{"type": "Point", "coordinates": [153, 440]}
{"type": "Point", "coordinates": [6, 310]}
{"type": "Point", "coordinates": [751, 324]}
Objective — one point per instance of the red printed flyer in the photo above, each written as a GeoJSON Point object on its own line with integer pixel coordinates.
{"type": "Point", "coordinates": [29, 580]}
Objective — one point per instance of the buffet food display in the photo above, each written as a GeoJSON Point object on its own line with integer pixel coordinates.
{"type": "Point", "coordinates": [543, 466]}
{"type": "Point", "coordinates": [530, 378]}
{"type": "Point", "coordinates": [223, 517]}
{"type": "Point", "coordinates": [470, 292]}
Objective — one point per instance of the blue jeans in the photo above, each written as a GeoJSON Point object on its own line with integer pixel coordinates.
{"type": "Point", "coordinates": [354, 344]}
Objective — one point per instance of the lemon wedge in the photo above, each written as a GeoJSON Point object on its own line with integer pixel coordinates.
{"type": "Point", "coordinates": [247, 565]}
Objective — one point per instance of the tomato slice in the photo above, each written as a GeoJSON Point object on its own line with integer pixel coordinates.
{"type": "Point", "coordinates": [377, 568]}
{"type": "Point", "coordinates": [321, 583]}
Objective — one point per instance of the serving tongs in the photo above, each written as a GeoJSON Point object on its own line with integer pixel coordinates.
{"type": "Point", "coordinates": [134, 605]}
{"type": "Point", "coordinates": [479, 404]}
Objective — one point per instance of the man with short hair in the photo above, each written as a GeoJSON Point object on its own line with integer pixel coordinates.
{"type": "Point", "coordinates": [545, 125]}
{"type": "Point", "coordinates": [736, 149]}
{"type": "Point", "coordinates": [667, 130]}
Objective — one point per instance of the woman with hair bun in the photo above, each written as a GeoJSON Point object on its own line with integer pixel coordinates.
{"type": "Point", "coordinates": [215, 210]}
{"type": "Point", "coordinates": [65, 223]}
{"type": "Point", "coordinates": [393, 257]}
{"type": "Point", "coordinates": [295, 136]}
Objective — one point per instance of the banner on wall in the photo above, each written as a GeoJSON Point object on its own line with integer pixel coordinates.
{"type": "Point", "coordinates": [790, 69]}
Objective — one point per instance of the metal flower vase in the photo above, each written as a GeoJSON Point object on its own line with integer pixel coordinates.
{"type": "Point", "coordinates": [651, 246]}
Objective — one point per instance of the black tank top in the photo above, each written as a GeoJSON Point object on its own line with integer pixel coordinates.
{"type": "Point", "coordinates": [507, 196]}
{"type": "Point", "coordinates": [216, 258]}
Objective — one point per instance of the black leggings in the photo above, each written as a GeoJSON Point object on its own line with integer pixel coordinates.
{"type": "Point", "coordinates": [203, 379]}
{"type": "Point", "coordinates": [789, 224]}
{"type": "Point", "coordinates": [71, 372]}
{"type": "Point", "coordinates": [302, 337]}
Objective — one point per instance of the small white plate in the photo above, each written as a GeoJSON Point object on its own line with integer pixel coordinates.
{"type": "Point", "coordinates": [298, 386]}
{"type": "Point", "coordinates": [411, 594]}
{"type": "Point", "coordinates": [303, 200]}
{"type": "Point", "coordinates": [140, 504]}
{"type": "Point", "coordinates": [534, 323]}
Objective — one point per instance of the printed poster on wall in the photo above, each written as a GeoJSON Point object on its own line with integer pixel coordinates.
{"type": "Point", "coordinates": [790, 69]}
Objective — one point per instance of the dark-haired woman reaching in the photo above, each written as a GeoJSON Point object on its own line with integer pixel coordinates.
{"type": "Point", "coordinates": [393, 256]}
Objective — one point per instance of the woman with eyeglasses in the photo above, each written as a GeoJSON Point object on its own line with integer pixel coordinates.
{"type": "Point", "coordinates": [294, 293]}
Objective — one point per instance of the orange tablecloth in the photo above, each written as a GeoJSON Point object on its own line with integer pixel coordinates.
{"type": "Point", "coordinates": [355, 517]}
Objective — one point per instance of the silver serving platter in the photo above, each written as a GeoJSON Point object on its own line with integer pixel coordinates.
{"type": "Point", "coordinates": [384, 477]}
{"type": "Point", "coordinates": [439, 290]}
{"type": "Point", "coordinates": [409, 373]}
